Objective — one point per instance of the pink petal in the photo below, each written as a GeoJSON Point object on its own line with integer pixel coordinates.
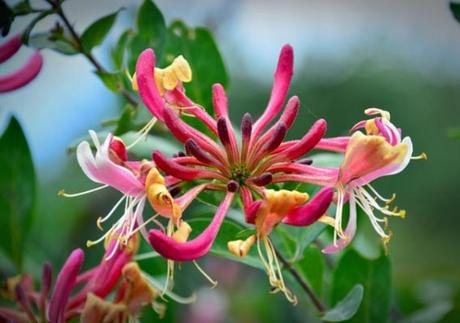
{"type": "Point", "coordinates": [103, 170]}
{"type": "Point", "coordinates": [10, 47]}
{"type": "Point", "coordinates": [250, 207]}
{"type": "Point", "coordinates": [219, 101]}
{"type": "Point", "coordinates": [145, 69]}
{"type": "Point", "coordinates": [324, 176]}
{"type": "Point", "coordinates": [283, 76]}
{"type": "Point", "coordinates": [310, 212]}
{"type": "Point", "coordinates": [170, 167]}
{"type": "Point", "coordinates": [349, 232]}
{"type": "Point", "coordinates": [185, 200]}
{"type": "Point", "coordinates": [337, 144]}
{"type": "Point", "coordinates": [193, 249]}
{"type": "Point", "coordinates": [65, 282]}
{"type": "Point", "coordinates": [23, 75]}
{"type": "Point", "coordinates": [308, 142]}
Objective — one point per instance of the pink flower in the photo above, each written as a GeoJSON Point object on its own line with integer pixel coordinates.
{"type": "Point", "coordinates": [23, 75]}
{"type": "Point", "coordinates": [238, 169]}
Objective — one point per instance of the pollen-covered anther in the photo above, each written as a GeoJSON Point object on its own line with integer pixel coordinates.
{"type": "Point", "coordinates": [240, 248]}
{"type": "Point", "coordinates": [232, 186]}
{"type": "Point", "coordinates": [422, 156]}
{"type": "Point", "coordinates": [183, 232]}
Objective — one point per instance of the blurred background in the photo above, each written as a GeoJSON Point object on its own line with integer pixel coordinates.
{"type": "Point", "coordinates": [402, 56]}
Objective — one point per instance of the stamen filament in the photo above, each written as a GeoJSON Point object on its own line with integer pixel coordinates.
{"type": "Point", "coordinates": [212, 281]}
{"type": "Point", "coordinates": [64, 194]}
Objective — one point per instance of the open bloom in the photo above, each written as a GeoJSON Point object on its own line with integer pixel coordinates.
{"type": "Point", "coordinates": [23, 75]}
{"type": "Point", "coordinates": [238, 169]}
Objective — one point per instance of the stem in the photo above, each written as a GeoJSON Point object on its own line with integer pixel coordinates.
{"type": "Point", "coordinates": [315, 299]}
{"type": "Point", "coordinates": [60, 12]}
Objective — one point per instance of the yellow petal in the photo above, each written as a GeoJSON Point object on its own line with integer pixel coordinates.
{"type": "Point", "coordinates": [182, 69]}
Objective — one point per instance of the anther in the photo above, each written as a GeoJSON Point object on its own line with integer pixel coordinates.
{"type": "Point", "coordinates": [422, 156]}
{"type": "Point", "coordinates": [262, 180]}
{"type": "Point", "coordinates": [232, 186]}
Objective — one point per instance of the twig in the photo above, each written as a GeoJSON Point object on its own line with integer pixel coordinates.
{"type": "Point", "coordinates": [60, 12]}
{"type": "Point", "coordinates": [315, 300]}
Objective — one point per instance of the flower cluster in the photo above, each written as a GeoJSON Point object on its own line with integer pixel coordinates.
{"type": "Point", "coordinates": [249, 166]}
{"type": "Point", "coordinates": [84, 294]}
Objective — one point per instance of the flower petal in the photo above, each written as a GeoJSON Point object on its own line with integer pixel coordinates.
{"type": "Point", "coordinates": [283, 76]}
{"type": "Point", "coordinates": [10, 47]}
{"type": "Point", "coordinates": [349, 232]}
{"type": "Point", "coordinates": [65, 282]}
{"type": "Point", "coordinates": [308, 213]}
{"type": "Point", "coordinates": [23, 75]}
{"type": "Point", "coordinates": [193, 249]}
{"type": "Point", "coordinates": [145, 69]}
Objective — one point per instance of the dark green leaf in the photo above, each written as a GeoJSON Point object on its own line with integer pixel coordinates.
{"type": "Point", "coordinates": [230, 230]}
{"type": "Point", "coordinates": [347, 307]}
{"type": "Point", "coordinates": [126, 121]}
{"type": "Point", "coordinates": [97, 31]}
{"type": "Point", "coordinates": [118, 52]}
{"type": "Point", "coordinates": [312, 267]}
{"type": "Point", "coordinates": [6, 18]}
{"type": "Point", "coordinates": [199, 48]}
{"type": "Point", "coordinates": [46, 40]}
{"type": "Point", "coordinates": [22, 8]}
{"type": "Point", "coordinates": [374, 275]}
{"type": "Point", "coordinates": [110, 80]}
{"type": "Point", "coordinates": [150, 32]}
{"type": "Point", "coordinates": [455, 8]}
{"type": "Point", "coordinates": [17, 191]}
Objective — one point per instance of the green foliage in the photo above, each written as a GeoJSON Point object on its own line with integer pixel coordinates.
{"type": "Point", "coordinates": [197, 45]}
{"type": "Point", "coordinates": [53, 42]}
{"type": "Point", "coordinates": [150, 32]}
{"type": "Point", "coordinates": [110, 80]}
{"type": "Point", "coordinates": [17, 191]}
{"type": "Point", "coordinates": [119, 51]}
{"type": "Point", "coordinates": [455, 9]}
{"type": "Point", "coordinates": [312, 266]}
{"type": "Point", "coordinates": [347, 307]}
{"type": "Point", "coordinates": [6, 18]}
{"type": "Point", "coordinates": [374, 276]}
{"type": "Point", "coordinates": [97, 31]}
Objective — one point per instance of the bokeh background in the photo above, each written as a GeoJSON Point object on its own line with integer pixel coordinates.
{"type": "Point", "coordinates": [402, 56]}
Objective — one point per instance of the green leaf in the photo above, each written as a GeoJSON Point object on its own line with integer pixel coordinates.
{"type": "Point", "coordinates": [46, 40]}
{"type": "Point", "coordinates": [374, 275]}
{"type": "Point", "coordinates": [230, 230]}
{"type": "Point", "coordinates": [150, 32]}
{"type": "Point", "coordinates": [97, 31]}
{"type": "Point", "coordinates": [455, 9]}
{"type": "Point", "coordinates": [6, 18]}
{"type": "Point", "coordinates": [312, 267]}
{"type": "Point", "coordinates": [110, 80]}
{"type": "Point", "coordinates": [126, 121]}
{"type": "Point", "coordinates": [347, 307]}
{"type": "Point", "coordinates": [17, 191]}
{"type": "Point", "coordinates": [197, 45]}
{"type": "Point", "coordinates": [119, 51]}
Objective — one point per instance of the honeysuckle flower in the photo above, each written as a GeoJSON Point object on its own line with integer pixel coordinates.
{"type": "Point", "coordinates": [24, 74]}
{"type": "Point", "coordinates": [243, 169]}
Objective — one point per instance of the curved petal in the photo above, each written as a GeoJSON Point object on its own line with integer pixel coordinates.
{"type": "Point", "coordinates": [349, 232]}
{"type": "Point", "coordinates": [308, 142]}
{"type": "Point", "coordinates": [283, 76]}
{"type": "Point", "coordinates": [101, 169]}
{"type": "Point", "coordinates": [310, 212]}
{"type": "Point", "coordinates": [66, 280]}
{"type": "Point", "coordinates": [337, 144]}
{"type": "Point", "coordinates": [10, 47]}
{"type": "Point", "coordinates": [23, 75]}
{"type": "Point", "coordinates": [145, 69]}
{"type": "Point", "coordinates": [250, 207]}
{"type": "Point", "coordinates": [193, 249]}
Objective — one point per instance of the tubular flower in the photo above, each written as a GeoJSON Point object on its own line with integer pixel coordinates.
{"type": "Point", "coordinates": [23, 75]}
{"type": "Point", "coordinates": [239, 169]}
{"type": "Point", "coordinates": [377, 153]}
{"type": "Point", "coordinates": [85, 294]}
